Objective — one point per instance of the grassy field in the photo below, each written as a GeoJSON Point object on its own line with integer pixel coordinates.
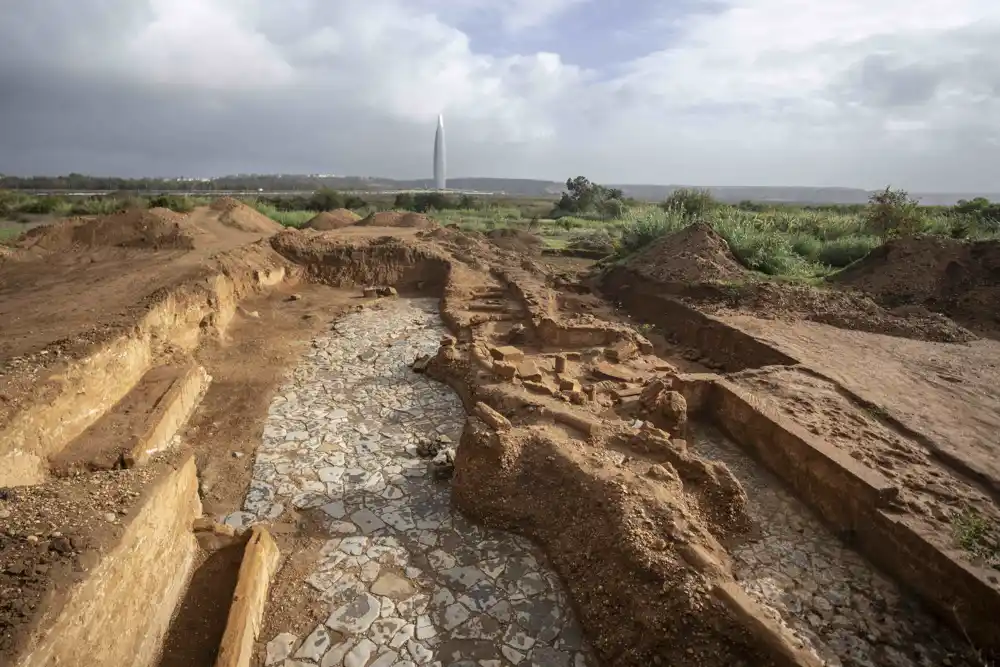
{"type": "Point", "coordinates": [786, 241]}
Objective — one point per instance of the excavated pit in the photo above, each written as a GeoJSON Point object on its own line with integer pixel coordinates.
{"type": "Point", "coordinates": [647, 547]}
{"type": "Point", "coordinates": [404, 576]}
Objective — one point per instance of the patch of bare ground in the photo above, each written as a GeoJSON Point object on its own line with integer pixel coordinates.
{"type": "Point", "coordinates": [272, 330]}
{"type": "Point", "coordinates": [946, 395]}
{"type": "Point", "coordinates": [958, 278]}
{"type": "Point", "coordinates": [930, 490]}
{"type": "Point", "coordinates": [577, 439]}
{"type": "Point", "coordinates": [53, 535]}
{"type": "Point", "coordinates": [335, 219]}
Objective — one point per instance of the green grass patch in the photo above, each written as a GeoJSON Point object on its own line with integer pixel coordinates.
{"type": "Point", "coordinates": [285, 218]}
{"type": "Point", "coordinates": [978, 536]}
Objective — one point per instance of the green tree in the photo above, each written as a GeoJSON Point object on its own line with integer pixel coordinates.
{"type": "Point", "coordinates": [691, 202]}
{"type": "Point", "coordinates": [892, 213]}
{"type": "Point", "coordinates": [581, 196]}
{"type": "Point", "coordinates": [325, 199]}
{"type": "Point", "coordinates": [403, 201]}
{"type": "Point", "coordinates": [611, 208]}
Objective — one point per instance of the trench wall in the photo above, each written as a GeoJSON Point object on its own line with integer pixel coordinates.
{"type": "Point", "coordinates": [857, 501]}
{"type": "Point", "coordinates": [72, 400]}
{"type": "Point", "coordinates": [119, 613]}
{"type": "Point", "coordinates": [730, 348]}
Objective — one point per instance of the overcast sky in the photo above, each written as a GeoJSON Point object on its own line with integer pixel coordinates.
{"type": "Point", "coordinates": [706, 92]}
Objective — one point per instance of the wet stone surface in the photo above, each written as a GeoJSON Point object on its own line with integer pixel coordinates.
{"type": "Point", "coordinates": [408, 580]}
{"type": "Point", "coordinates": [832, 600]}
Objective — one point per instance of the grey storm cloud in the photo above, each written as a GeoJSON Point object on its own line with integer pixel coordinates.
{"type": "Point", "coordinates": [203, 87]}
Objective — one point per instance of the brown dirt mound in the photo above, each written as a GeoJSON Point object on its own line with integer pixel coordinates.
{"type": "Point", "coordinates": [155, 228]}
{"type": "Point", "coordinates": [693, 254]}
{"type": "Point", "coordinates": [516, 240]}
{"type": "Point", "coordinates": [336, 219]}
{"type": "Point", "coordinates": [841, 309]}
{"type": "Point", "coordinates": [397, 219]}
{"type": "Point", "coordinates": [235, 213]}
{"type": "Point", "coordinates": [959, 278]}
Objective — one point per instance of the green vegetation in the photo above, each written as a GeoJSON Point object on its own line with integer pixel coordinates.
{"type": "Point", "coordinates": [977, 536]}
{"type": "Point", "coordinates": [797, 242]}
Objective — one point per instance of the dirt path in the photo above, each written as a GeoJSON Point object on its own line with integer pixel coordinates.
{"type": "Point", "coordinates": [835, 603]}
{"type": "Point", "coordinates": [407, 581]}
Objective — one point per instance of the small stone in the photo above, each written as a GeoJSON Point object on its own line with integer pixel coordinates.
{"type": "Point", "coordinates": [32, 539]}
{"type": "Point", "coordinates": [315, 645]}
{"type": "Point", "coordinates": [507, 353]}
{"type": "Point", "coordinates": [421, 363]}
{"type": "Point", "coordinates": [560, 363]}
{"type": "Point", "coordinates": [360, 654]}
{"type": "Point", "coordinates": [295, 297]}
{"type": "Point", "coordinates": [279, 648]}
{"type": "Point", "coordinates": [356, 616]}
{"type": "Point", "coordinates": [504, 370]}
{"type": "Point", "coordinates": [238, 455]}
{"type": "Point", "coordinates": [392, 585]}
{"type": "Point", "coordinates": [61, 545]}
{"type": "Point", "coordinates": [494, 419]}
{"type": "Point", "coordinates": [528, 370]}
{"type": "Point", "coordinates": [110, 517]}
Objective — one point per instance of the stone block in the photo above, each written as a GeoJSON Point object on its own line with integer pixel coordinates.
{"type": "Point", "coordinates": [495, 420]}
{"type": "Point", "coordinates": [507, 353]}
{"type": "Point", "coordinates": [504, 370]}
{"type": "Point", "coordinates": [529, 371]}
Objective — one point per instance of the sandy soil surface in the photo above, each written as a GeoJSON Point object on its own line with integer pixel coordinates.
{"type": "Point", "coordinates": [959, 278]}
{"type": "Point", "coordinates": [337, 421]}
{"type": "Point", "coordinates": [947, 393]}
{"type": "Point", "coordinates": [272, 330]}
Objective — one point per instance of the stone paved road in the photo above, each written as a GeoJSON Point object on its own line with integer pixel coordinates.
{"type": "Point", "coordinates": [837, 604]}
{"type": "Point", "coordinates": [409, 582]}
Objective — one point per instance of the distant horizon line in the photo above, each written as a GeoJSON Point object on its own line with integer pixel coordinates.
{"type": "Point", "coordinates": [430, 179]}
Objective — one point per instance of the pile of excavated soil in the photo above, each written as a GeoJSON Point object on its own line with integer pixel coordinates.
{"type": "Point", "coordinates": [156, 228]}
{"type": "Point", "coordinates": [841, 309]}
{"type": "Point", "coordinates": [693, 254]}
{"type": "Point", "coordinates": [516, 240]}
{"type": "Point", "coordinates": [959, 278]}
{"type": "Point", "coordinates": [397, 219]}
{"type": "Point", "coordinates": [235, 213]}
{"type": "Point", "coordinates": [336, 219]}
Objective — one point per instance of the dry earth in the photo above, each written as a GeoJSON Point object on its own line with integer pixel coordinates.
{"type": "Point", "coordinates": [487, 465]}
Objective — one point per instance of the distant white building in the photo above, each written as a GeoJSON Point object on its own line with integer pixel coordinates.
{"type": "Point", "coordinates": [440, 181]}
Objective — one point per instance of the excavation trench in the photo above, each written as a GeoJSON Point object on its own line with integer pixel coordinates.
{"type": "Point", "coordinates": [835, 603]}
{"type": "Point", "coordinates": [406, 580]}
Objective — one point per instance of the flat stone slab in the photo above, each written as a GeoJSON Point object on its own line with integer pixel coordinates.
{"type": "Point", "coordinates": [405, 578]}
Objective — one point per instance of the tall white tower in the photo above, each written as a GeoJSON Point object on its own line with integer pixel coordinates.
{"type": "Point", "coordinates": [440, 182]}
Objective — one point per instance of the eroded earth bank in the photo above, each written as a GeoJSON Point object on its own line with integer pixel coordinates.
{"type": "Point", "coordinates": [383, 446]}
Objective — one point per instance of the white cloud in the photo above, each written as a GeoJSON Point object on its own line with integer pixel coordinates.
{"type": "Point", "coordinates": [851, 92]}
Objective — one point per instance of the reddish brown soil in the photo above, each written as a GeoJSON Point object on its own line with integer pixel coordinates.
{"type": "Point", "coordinates": [336, 219]}
{"type": "Point", "coordinates": [930, 489]}
{"type": "Point", "coordinates": [693, 254]}
{"type": "Point", "coordinates": [53, 534]}
{"type": "Point", "coordinates": [516, 240]}
{"type": "Point", "coordinates": [845, 310]}
{"type": "Point", "coordinates": [153, 229]}
{"type": "Point", "coordinates": [272, 330]}
{"type": "Point", "coordinates": [946, 394]}
{"type": "Point", "coordinates": [959, 278]}
{"type": "Point", "coordinates": [633, 521]}
{"type": "Point", "coordinates": [397, 219]}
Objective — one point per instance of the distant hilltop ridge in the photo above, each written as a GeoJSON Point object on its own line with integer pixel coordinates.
{"type": "Point", "coordinates": [517, 187]}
